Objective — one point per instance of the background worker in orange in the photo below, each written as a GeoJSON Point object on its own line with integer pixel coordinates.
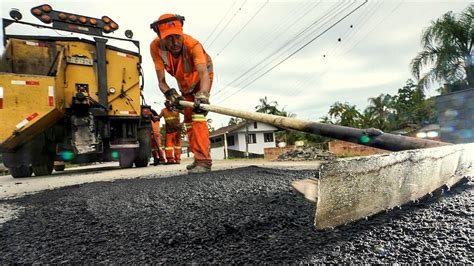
{"type": "Point", "coordinates": [184, 58]}
{"type": "Point", "coordinates": [156, 150]}
{"type": "Point", "coordinates": [173, 134]}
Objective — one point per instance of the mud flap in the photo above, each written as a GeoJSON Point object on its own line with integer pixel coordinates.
{"type": "Point", "coordinates": [352, 189]}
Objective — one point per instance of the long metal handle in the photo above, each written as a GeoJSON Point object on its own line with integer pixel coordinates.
{"type": "Point", "coordinates": [368, 137]}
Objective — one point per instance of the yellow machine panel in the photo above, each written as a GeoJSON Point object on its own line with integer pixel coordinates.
{"type": "Point", "coordinates": [79, 69]}
{"type": "Point", "coordinates": [123, 77]}
{"type": "Point", "coordinates": [28, 107]}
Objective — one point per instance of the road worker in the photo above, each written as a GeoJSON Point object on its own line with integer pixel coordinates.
{"type": "Point", "coordinates": [156, 150]}
{"type": "Point", "coordinates": [173, 133]}
{"type": "Point", "coordinates": [184, 58]}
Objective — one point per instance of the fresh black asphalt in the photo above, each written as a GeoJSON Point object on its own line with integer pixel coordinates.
{"type": "Point", "coordinates": [246, 215]}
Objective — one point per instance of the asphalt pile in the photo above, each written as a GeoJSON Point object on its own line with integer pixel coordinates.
{"type": "Point", "coordinates": [247, 215]}
{"type": "Point", "coordinates": [306, 153]}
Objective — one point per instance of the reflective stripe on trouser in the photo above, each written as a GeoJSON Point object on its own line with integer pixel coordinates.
{"type": "Point", "coordinates": [198, 134]}
{"type": "Point", "coordinates": [156, 150]}
{"type": "Point", "coordinates": [173, 143]}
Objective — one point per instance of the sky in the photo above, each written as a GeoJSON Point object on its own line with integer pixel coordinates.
{"type": "Point", "coordinates": [305, 55]}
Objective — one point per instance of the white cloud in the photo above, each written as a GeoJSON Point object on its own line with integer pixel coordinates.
{"type": "Point", "coordinates": [372, 57]}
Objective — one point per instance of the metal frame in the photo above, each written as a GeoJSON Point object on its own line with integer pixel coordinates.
{"type": "Point", "coordinates": [8, 22]}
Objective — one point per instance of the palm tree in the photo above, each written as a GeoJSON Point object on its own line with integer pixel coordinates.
{"type": "Point", "coordinates": [286, 113]}
{"type": "Point", "coordinates": [235, 121]}
{"type": "Point", "coordinates": [267, 107]}
{"type": "Point", "coordinates": [345, 114]}
{"type": "Point", "coordinates": [379, 110]}
{"type": "Point", "coordinates": [447, 47]}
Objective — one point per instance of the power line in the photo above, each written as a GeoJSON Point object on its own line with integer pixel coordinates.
{"type": "Point", "coordinates": [278, 50]}
{"type": "Point", "coordinates": [276, 30]}
{"type": "Point", "coordinates": [227, 24]}
{"type": "Point", "coordinates": [299, 49]}
{"type": "Point", "coordinates": [220, 21]}
{"type": "Point", "coordinates": [328, 56]}
{"type": "Point", "coordinates": [242, 28]}
{"type": "Point", "coordinates": [296, 42]}
{"type": "Point", "coordinates": [370, 31]}
{"type": "Point", "coordinates": [286, 47]}
{"type": "Point", "coordinates": [343, 53]}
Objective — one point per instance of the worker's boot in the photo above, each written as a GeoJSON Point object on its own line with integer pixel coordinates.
{"type": "Point", "coordinates": [155, 162]}
{"type": "Point", "coordinates": [199, 169]}
{"type": "Point", "coordinates": [191, 166]}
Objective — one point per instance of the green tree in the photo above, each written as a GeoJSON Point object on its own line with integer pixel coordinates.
{"type": "Point", "coordinates": [447, 45]}
{"type": "Point", "coordinates": [412, 107]}
{"type": "Point", "coordinates": [345, 114]}
{"type": "Point", "coordinates": [235, 121]}
{"type": "Point", "coordinates": [209, 125]}
{"type": "Point", "coordinates": [378, 112]}
{"type": "Point", "coordinates": [267, 107]}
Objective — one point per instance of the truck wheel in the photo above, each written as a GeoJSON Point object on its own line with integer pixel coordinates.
{"type": "Point", "coordinates": [126, 158]}
{"type": "Point", "coordinates": [144, 151]}
{"type": "Point", "coordinates": [44, 169]}
{"type": "Point", "coordinates": [21, 171]}
{"type": "Point", "coordinates": [59, 168]}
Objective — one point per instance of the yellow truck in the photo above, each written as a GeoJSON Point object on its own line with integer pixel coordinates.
{"type": "Point", "coordinates": [70, 99]}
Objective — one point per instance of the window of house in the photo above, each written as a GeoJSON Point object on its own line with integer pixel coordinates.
{"type": "Point", "coordinates": [230, 141]}
{"type": "Point", "coordinates": [252, 138]}
{"type": "Point", "coordinates": [268, 137]}
{"type": "Point", "coordinates": [216, 140]}
{"type": "Point", "coordinates": [254, 124]}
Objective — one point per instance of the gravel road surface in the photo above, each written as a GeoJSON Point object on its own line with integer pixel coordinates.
{"type": "Point", "coordinates": [245, 215]}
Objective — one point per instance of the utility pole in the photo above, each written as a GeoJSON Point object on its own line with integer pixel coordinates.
{"type": "Point", "coordinates": [246, 139]}
{"type": "Point", "coordinates": [226, 154]}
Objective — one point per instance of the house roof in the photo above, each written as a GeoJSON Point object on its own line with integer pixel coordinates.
{"type": "Point", "coordinates": [432, 127]}
{"type": "Point", "coordinates": [406, 130]}
{"type": "Point", "coordinates": [225, 129]}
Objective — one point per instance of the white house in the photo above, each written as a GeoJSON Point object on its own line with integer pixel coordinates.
{"type": "Point", "coordinates": [230, 141]}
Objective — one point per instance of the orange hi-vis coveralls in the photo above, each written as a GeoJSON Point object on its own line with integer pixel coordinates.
{"type": "Point", "coordinates": [156, 150]}
{"type": "Point", "coordinates": [184, 70]}
{"type": "Point", "coordinates": [173, 135]}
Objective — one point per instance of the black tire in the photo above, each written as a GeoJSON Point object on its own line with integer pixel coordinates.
{"type": "Point", "coordinates": [144, 151]}
{"type": "Point", "coordinates": [126, 158]}
{"type": "Point", "coordinates": [45, 169]}
{"type": "Point", "coordinates": [45, 166]}
{"type": "Point", "coordinates": [59, 168]}
{"type": "Point", "coordinates": [21, 171]}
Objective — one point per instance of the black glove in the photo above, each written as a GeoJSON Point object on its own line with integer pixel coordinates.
{"type": "Point", "coordinates": [174, 98]}
{"type": "Point", "coordinates": [199, 98]}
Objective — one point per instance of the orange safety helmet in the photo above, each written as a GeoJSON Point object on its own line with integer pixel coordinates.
{"type": "Point", "coordinates": [168, 24]}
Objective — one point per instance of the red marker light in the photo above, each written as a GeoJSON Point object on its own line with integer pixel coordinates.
{"type": "Point", "coordinates": [45, 19]}
{"type": "Point", "coordinates": [62, 16]}
{"type": "Point", "coordinates": [46, 8]}
{"type": "Point", "coordinates": [37, 12]}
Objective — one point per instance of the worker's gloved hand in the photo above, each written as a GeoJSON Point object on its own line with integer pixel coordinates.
{"type": "Point", "coordinates": [174, 98]}
{"type": "Point", "coordinates": [199, 98]}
